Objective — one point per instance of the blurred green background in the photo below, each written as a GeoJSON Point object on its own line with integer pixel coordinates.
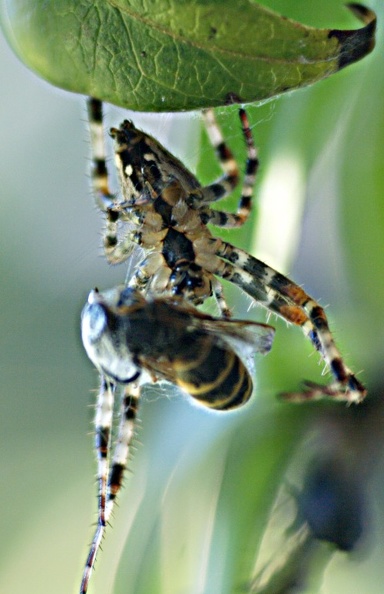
{"type": "Point", "coordinates": [191, 517]}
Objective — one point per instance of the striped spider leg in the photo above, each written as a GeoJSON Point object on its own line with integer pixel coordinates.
{"type": "Point", "coordinates": [281, 296]}
{"type": "Point", "coordinates": [110, 474]}
{"type": "Point", "coordinates": [133, 340]}
{"type": "Point", "coordinates": [164, 206]}
{"type": "Point", "coordinates": [169, 212]}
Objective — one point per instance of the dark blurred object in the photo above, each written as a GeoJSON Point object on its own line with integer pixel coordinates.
{"type": "Point", "coordinates": [332, 502]}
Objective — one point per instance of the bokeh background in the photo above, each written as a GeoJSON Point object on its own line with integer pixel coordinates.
{"type": "Point", "coordinates": [204, 489]}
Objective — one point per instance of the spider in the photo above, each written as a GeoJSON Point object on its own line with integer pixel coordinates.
{"type": "Point", "coordinates": [167, 212]}
{"type": "Point", "coordinates": [132, 341]}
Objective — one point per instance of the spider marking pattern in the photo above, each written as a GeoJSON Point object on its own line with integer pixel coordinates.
{"type": "Point", "coordinates": [132, 341]}
{"type": "Point", "coordinates": [166, 207]}
{"type": "Point", "coordinates": [168, 211]}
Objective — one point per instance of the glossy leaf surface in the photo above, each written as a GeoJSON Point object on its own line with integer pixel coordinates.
{"type": "Point", "coordinates": [177, 55]}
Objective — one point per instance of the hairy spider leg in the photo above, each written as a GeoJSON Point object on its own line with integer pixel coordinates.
{"type": "Point", "coordinates": [110, 474]}
{"type": "Point", "coordinates": [283, 297]}
{"type": "Point", "coordinates": [103, 425]}
{"type": "Point", "coordinates": [104, 198]}
{"type": "Point", "coordinates": [225, 185]}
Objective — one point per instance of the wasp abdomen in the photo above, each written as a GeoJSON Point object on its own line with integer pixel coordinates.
{"type": "Point", "coordinates": [215, 375]}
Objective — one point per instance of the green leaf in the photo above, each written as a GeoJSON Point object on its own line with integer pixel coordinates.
{"type": "Point", "coordinates": [177, 55]}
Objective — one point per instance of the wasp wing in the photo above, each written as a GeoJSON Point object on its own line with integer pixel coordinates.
{"type": "Point", "coordinates": [245, 338]}
{"type": "Point", "coordinates": [253, 337]}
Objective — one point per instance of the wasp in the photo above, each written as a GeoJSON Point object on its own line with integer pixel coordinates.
{"type": "Point", "coordinates": [133, 340]}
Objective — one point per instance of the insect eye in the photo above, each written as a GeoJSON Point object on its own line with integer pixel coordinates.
{"type": "Point", "coordinates": [93, 321]}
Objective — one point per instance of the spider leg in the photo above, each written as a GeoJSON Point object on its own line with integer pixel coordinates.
{"type": "Point", "coordinates": [104, 198]}
{"type": "Point", "coordinates": [118, 250]}
{"type": "Point", "coordinates": [103, 425]}
{"type": "Point", "coordinates": [110, 480]}
{"type": "Point", "coordinates": [152, 273]}
{"type": "Point", "coordinates": [218, 292]}
{"type": "Point", "coordinates": [221, 218]}
{"type": "Point", "coordinates": [281, 296]}
{"type": "Point", "coordinates": [143, 227]}
{"type": "Point", "coordinates": [226, 184]}
{"type": "Point", "coordinates": [128, 413]}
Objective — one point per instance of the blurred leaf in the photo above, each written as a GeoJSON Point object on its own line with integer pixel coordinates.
{"type": "Point", "coordinates": [362, 185]}
{"type": "Point", "coordinates": [168, 56]}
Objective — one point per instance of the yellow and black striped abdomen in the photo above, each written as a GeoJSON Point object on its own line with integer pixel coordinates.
{"type": "Point", "coordinates": [213, 374]}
